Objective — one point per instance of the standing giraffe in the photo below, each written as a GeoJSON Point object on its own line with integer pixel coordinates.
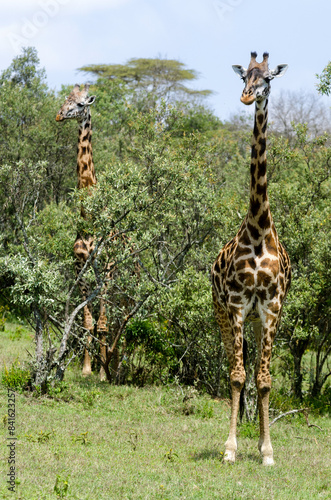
{"type": "Point", "coordinates": [77, 106]}
{"type": "Point", "coordinates": [252, 273]}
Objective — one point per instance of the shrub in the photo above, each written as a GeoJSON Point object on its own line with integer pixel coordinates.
{"type": "Point", "coordinates": [16, 377]}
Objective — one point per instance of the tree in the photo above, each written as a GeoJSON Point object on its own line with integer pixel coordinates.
{"type": "Point", "coordinates": [37, 284]}
{"type": "Point", "coordinates": [27, 130]}
{"type": "Point", "coordinates": [157, 189]}
{"type": "Point", "coordinates": [300, 191]}
{"type": "Point", "coordinates": [185, 313]}
{"type": "Point", "coordinates": [172, 189]}
{"type": "Point", "coordinates": [24, 72]}
{"type": "Point", "coordinates": [35, 179]}
{"type": "Point", "coordinates": [160, 196]}
{"type": "Point", "coordinates": [151, 79]}
{"type": "Point", "coordinates": [324, 87]}
{"type": "Point", "coordinates": [291, 108]}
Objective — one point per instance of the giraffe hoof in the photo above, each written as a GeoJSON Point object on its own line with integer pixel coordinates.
{"type": "Point", "coordinates": [268, 461]}
{"type": "Point", "coordinates": [229, 456]}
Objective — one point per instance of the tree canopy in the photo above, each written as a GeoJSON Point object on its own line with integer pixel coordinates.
{"type": "Point", "coordinates": [164, 78]}
{"type": "Point", "coordinates": [174, 179]}
{"type": "Point", "coordinates": [324, 86]}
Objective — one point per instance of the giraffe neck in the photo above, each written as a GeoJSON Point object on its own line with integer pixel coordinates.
{"type": "Point", "coordinates": [259, 211]}
{"type": "Point", "coordinates": [85, 166]}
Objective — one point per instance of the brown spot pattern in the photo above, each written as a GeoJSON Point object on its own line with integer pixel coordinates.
{"type": "Point", "coordinates": [240, 283]}
{"type": "Point", "coordinates": [255, 233]}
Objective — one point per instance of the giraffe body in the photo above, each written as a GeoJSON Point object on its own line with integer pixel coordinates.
{"type": "Point", "coordinates": [251, 275]}
{"type": "Point", "coordinates": [77, 106]}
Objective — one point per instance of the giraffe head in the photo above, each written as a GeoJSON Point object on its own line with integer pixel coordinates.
{"type": "Point", "coordinates": [76, 104]}
{"type": "Point", "coordinates": [257, 78]}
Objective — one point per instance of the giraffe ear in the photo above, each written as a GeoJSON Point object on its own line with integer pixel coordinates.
{"type": "Point", "coordinates": [90, 100]}
{"type": "Point", "coordinates": [240, 70]}
{"type": "Point", "coordinates": [279, 71]}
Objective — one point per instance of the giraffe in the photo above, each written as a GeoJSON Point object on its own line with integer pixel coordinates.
{"type": "Point", "coordinates": [77, 106]}
{"type": "Point", "coordinates": [252, 273]}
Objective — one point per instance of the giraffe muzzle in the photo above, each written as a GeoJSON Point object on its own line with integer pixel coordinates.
{"type": "Point", "coordinates": [59, 118]}
{"type": "Point", "coordinates": [247, 99]}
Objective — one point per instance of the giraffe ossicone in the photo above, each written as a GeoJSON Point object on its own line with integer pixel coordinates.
{"type": "Point", "coordinates": [252, 273]}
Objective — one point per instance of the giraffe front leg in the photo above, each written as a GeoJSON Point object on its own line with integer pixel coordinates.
{"type": "Point", "coordinates": [265, 446]}
{"type": "Point", "coordinates": [237, 378]}
{"type": "Point", "coordinates": [102, 329]}
{"type": "Point", "coordinates": [257, 328]}
{"type": "Point", "coordinates": [81, 251]}
{"type": "Point", "coordinates": [232, 337]}
{"type": "Point", "coordinates": [88, 324]}
{"type": "Point", "coordinates": [231, 442]}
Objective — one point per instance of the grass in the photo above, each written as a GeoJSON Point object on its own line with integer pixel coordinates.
{"type": "Point", "coordinates": [94, 441]}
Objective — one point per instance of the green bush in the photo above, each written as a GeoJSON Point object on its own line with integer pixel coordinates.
{"type": "Point", "coordinates": [16, 376]}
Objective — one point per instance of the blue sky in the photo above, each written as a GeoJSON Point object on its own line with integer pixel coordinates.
{"type": "Point", "coordinates": [206, 35]}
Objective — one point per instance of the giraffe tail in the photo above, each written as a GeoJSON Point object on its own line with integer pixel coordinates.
{"type": "Point", "coordinates": [242, 394]}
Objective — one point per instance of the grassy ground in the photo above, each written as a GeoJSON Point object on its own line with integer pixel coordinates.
{"type": "Point", "coordinates": [103, 442]}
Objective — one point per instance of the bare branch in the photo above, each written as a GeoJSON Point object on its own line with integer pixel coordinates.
{"type": "Point", "coordinates": [310, 425]}
{"type": "Point", "coordinates": [291, 412]}
{"type": "Point", "coordinates": [153, 280]}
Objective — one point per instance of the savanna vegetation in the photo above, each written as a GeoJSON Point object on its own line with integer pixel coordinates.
{"type": "Point", "coordinates": [87, 439]}
{"type": "Point", "coordinates": [174, 179]}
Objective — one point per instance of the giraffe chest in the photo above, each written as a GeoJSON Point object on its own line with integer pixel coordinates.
{"type": "Point", "coordinates": [248, 277]}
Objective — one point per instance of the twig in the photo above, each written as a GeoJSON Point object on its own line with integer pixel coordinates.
{"type": "Point", "coordinates": [153, 280]}
{"type": "Point", "coordinates": [311, 425]}
{"type": "Point", "coordinates": [291, 412]}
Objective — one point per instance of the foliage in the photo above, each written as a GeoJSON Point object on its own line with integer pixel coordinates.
{"type": "Point", "coordinates": [27, 128]}
{"type": "Point", "coordinates": [82, 438]}
{"type": "Point", "coordinates": [173, 188]}
{"type": "Point", "coordinates": [324, 86]}
{"type": "Point", "coordinates": [61, 486]}
{"type": "Point", "coordinates": [152, 79]}
{"type": "Point", "coordinates": [40, 437]}
{"type": "Point", "coordinates": [161, 196]}
{"type": "Point", "coordinates": [302, 213]}
{"type": "Point", "coordinates": [186, 318]}
{"type": "Point", "coordinates": [16, 376]}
